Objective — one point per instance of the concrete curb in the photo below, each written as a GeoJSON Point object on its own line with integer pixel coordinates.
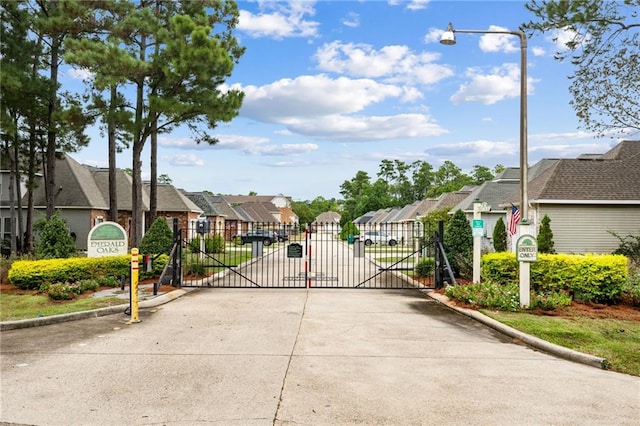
{"type": "Point", "coordinates": [542, 345]}
{"type": "Point", "coordinates": [55, 319]}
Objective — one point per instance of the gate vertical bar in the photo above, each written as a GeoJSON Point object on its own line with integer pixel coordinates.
{"type": "Point", "coordinates": [174, 264]}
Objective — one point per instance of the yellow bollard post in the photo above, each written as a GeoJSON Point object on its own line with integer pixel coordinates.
{"type": "Point", "coordinates": [134, 286]}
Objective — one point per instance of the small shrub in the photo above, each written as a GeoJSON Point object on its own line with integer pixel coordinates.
{"type": "Point", "coordinates": [425, 267]}
{"type": "Point", "coordinates": [195, 268]}
{"type": "Point", "coordinates": [545, 236]}
{"type": "Point", "coordinates": [108, 281]}
{"type": "Point", "coordinates": [349, 228]}
{"type": "Point", "coordinates": [500, 236]}
{"type": "Point", "coordinates": [549, 301]}
{"type": "Point", "coordinates": [194, 245]}
{"type": "Point", "coordinates": [499, 267]}
{"type": "Point", "coordinates": [159, 263]}
{"type": "Point", "coordinates": [631, 289]}
{"type": "Point", "coordinates": [86, 285]}
{"type": "Point", "coordinates": [629, 246]}
{"type": "Point", "coordinates": [158, 239]}
{"type": "Point", "coordinates": [61, 291]}
{"type": "Point", "coordinates": [54, 240]}
{"type": "Point", "coordinates": [214, 244]}
{"type": "Point", "coordinates": [487, 295]}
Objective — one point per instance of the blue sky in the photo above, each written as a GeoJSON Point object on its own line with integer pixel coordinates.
{"type": "Point", "coordinates": [335, 87]}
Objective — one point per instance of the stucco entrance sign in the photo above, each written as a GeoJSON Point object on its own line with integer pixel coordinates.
{"type": "Point", "coordinates": [107, 239]}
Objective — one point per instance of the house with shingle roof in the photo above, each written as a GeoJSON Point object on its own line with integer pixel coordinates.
{"type": "Point", "coordinates": [327, 222]}
{"type": "Point", "coordinates": [82, 198]}
{"type": "Point", "coordinates": [277, 200]}
{"type": "Point", "coordinates": [588, 198]}
{"type": "Point", "coordinates": [173, 204]}
{"type": "Point", "coordinates": [221, 217]}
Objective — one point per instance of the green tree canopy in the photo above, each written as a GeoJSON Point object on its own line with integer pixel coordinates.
{"type": "Point", "coordinates": [603, 47]}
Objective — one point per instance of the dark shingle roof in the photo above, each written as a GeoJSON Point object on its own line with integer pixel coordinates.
{"type": "Point", "coordinates": [260, 212]}
{"type": "Point", "coordinates": [124, 185]}
{"type": "Point", "coordinates": [493, 193]}
{"type": "Point", "coordinates": [75, 187]}
{"type": "Point", "coordinates": [171, 199]}
{"type": "Point", "coordinates": [328, 217]}
{"type": "Point", "coordinates": [613, 176]}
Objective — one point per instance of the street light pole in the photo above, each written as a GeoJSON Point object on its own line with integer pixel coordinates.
{"type": "Point", "coordinates": [449, 38]}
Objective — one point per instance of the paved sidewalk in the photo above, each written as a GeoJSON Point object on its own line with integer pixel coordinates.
{"type": "Point", "coordinates": [285, 357]}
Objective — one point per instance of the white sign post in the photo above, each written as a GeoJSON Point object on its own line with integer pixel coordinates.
{"type": "Point", "coordinates": [526, 252]}
{"type": "Point", "coordinates": [477, 230]}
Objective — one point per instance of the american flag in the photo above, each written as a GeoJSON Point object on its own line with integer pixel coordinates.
{"type": "Point", "coordinates": [513, 222]}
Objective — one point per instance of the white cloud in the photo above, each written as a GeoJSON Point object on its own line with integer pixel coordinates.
{"type": "Point", "coordinates": [433, 35]}
{"type": "Point", "coordinates": [185, 160]}
{"type": "Point", "coordinates": [286, 149]}
{"type": "Point", "coordinates": [312, 96]}
{"type": "Point", "coordinates": [320, 107]}
{"type": "Point", "coordinates": [562, 136]}
{"type": "Point", "coordinates": [502, 83]}
{"type": "Point", "coordinates": [352, 20]}
{"type": "Point", "coordinates": [411, 4]}
{"type": "Point", "coordinates": [538, 51]}
{"type": "Point", "coordinates": [80, 74]}
{"type": "Point", "coordinates": [247, 144]}
{"type": "Point", "coordinates": [280, 20]}
{"type": "Point", "coordinates": [394, 63]}
{"type": "Point", "coordinates": [475, 149]}
{"type": "Point", "coordinates": [561, 37]}
{"type": "Point", "coordinates": [362, 128]}
{"type": "Point", "coordinates": [499, 42]}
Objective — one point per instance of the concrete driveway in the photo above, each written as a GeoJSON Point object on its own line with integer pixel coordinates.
{"type": "Point", "coordinates": [298, 357]}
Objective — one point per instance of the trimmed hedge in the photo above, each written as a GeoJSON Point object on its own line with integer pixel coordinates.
{"type": "Point", "coordinates": [588, 278]}
{"type": "Point", "coordinates": [31, 274]}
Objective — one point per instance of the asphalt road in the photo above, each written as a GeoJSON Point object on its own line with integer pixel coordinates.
{"type": "Point", "coordinates": [298, 357]}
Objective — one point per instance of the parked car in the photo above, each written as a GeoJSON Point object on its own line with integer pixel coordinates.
{"type": "Point", "coordinates": [282, 236]}
{"type": "Point", "coordinates": [267, 236]}
{"type": "Point", "coordinates": [378, 237]}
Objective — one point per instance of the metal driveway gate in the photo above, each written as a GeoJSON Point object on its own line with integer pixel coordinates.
{"type": "Point", "coordinates": [265, 255]}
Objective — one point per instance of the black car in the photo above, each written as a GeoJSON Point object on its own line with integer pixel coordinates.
{"type": "Point", "coordinates": [282, 236]}
{"type": "Point", "coordinates": [266, 236]}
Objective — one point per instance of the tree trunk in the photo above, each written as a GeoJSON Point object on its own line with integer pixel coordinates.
{"type": "Point", "coordinates": [153, 196]}
{"type": "Point", "coordinates": [12, 207]}
{"type": "Point", "coordinates": [136, 197]}
{"type": "Point", "coordinates": [140, 137]}
{"type": "Point", "coordinates": [20, 224]}
{"type": "Point", "coordinates": [50, 175]}
{"type": "Point", "coordinates": [111, 130]}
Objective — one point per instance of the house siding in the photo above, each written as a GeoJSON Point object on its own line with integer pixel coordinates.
{"type": "Point", "coordinates": [79, 222]}
{"type": "Point", "coordinates": [585, 228]}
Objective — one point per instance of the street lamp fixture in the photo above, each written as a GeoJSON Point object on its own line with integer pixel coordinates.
{"type": "Point", "coordinates": [449, 38]}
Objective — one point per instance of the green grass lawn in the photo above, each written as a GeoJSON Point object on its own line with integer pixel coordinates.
{"type": "Point", "coordinates": [617, 341]}
{"type": "Point", "coordinates": [16, 307]}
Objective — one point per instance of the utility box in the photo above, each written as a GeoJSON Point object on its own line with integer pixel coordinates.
{"type": "Point", "coordinates": [358, 248]}
{"type": "Point", "coordinates": [256, 248]}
